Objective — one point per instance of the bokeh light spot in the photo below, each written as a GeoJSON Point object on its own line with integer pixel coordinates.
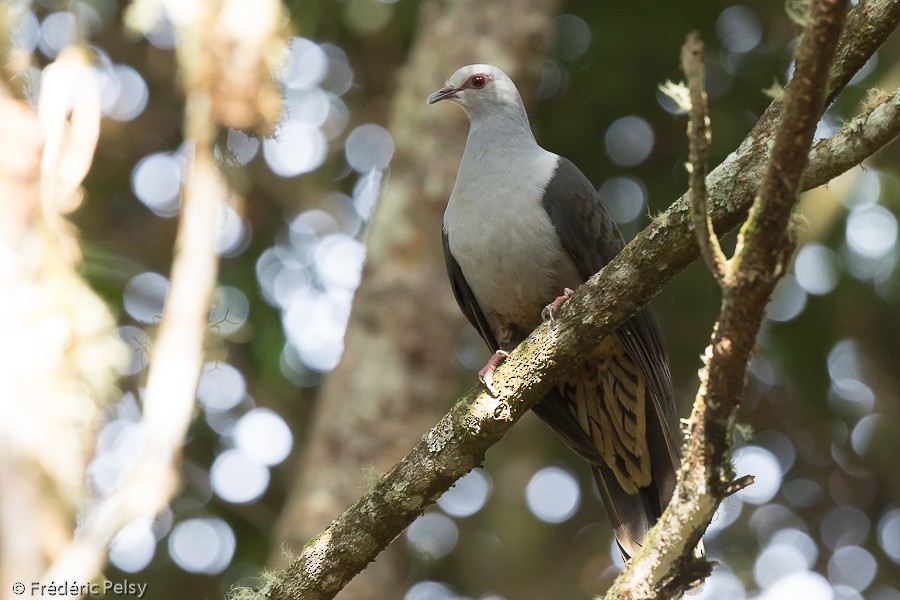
{"type": "Point", "coordinates": [776, 562]}
{"type": "Point", "coordinates": [799, 540]}
{"type": "Point", "coordinates": [467, 496]}
{"type": "Point", "coordinates": [263, 436]}
{"type": "Point", "coordinates": [739, 29]}
{"type": "Point", "coordinates": [238, 479]}
{"type": "Point", "coordinates": [339, 261]}
{"type": "Point", "coordinates": [721, 585]}
{"type": "Point", "coordinates": [307, 106]}
{"type": "Point", "coordinates": [861, 436]}
{"type": "Point", "coordinates": [844, 526]}
{"type": "Point", "coordinates": [573, 37]}
{"type": "Point", "coordinates": [306, 66]}
{"type": "Point", "coordinates": [132, 96]}
{"type": "Point", "coordinates": [866, 188]}
{"type": "Point", "coordinates": [871, 231]}
{"type": "Point", "coordinates": [340, 76]}
{"type": "Point", "coordinates": [804, 584]}
{"type": "Point", "coordinates": [229, 310]}
{"type": "Point", "coordinates": [369, 147]}
{"type": "Point", "coordinates": [145, 295]}
{"type": "Point", "coordinates": [788, 300]}
{"type": "Point", "coordinates": [138, 343]}
{"type": "Point", "coordinates": [889, 534]}
{"type": "Point", "coordinates": [433, 535]}
{"type": "Point", "coordinates": [762, 464]}
{"type": "Point", "coordinates": [852, 566]}
{"type": "Point", "coordinates": [553, 495]}
{"type": "Point", "coordinates": [58, 30]}
{"type": "Point", "coordinates": [241, 147]}
{"type": "Point", "coordinates": [233, 233]}
{"type": "Point", "coordinates": [725, 515]}
{"type": "Point", "coordinates": [629, 141]}
{"type": "Point", "coordinates": [624, 197]}
{"type": "Point", "coordinates": [202, 545]}
{"type": "Point", "coordinates": [221, 386]}
{"type": "Point", "coordinates": [156, 181]}
{"type": "Point", "coordinates": [429, 590]}
{"type": "Point", "coordinates": [133, 547]}
{"type": "Point", "coordinates": [296, 148]}
{"type": "Point", "coordinates": [817, 269]}
{"type": "Point", "coordinates": [26, 33]}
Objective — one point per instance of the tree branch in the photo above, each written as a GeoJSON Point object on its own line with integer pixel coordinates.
{"type": "Point", "coordinates": [699, 138]}
{"type": "Point", "coordinates": [762, 256]}
{"type": "Point", "coordinates": [459, 441]}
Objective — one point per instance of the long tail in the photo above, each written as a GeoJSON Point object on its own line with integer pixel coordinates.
{"type": "Point", "coordinates": [606, 412]}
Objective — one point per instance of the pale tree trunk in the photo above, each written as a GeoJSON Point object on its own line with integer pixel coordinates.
{"type": "Point", "coordinates": [397, 372]}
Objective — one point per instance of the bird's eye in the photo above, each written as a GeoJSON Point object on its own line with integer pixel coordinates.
{"type": "Point", "coordinates": [479, 81]}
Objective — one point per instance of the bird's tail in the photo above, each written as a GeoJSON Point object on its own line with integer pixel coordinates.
{"type": "Point", "coordinates": [631, 515]}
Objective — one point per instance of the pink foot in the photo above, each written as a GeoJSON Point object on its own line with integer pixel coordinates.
{"type": "Point", "coordinates": [486, 374]}
{"type": "Point", "coordinates": [547, 313]}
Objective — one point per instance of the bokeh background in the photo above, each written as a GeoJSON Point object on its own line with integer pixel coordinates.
{"type": "Point", "coordinates": [821, 419]}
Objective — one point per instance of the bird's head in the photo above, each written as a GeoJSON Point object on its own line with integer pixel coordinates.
{"type": "Point", "coordinates": [480, 90]}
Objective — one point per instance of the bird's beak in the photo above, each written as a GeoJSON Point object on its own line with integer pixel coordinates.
{"type": "Point", "coordinates": [443, 94]}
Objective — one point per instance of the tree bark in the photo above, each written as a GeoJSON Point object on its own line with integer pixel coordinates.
{"type": "Point", "coordinates": [397, 368]}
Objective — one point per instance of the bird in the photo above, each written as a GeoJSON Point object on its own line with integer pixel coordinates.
{"type": "Point", "coordinates": [523, 228]}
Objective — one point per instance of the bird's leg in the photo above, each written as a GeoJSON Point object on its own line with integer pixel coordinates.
{"type": "Point", "coordinates": [486, 374]}
{"type": "Point", "coordinates": [547, 313]}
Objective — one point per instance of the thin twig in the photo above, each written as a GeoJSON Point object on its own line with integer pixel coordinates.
{"type": "Point", "coordinates": [738, 484]}
{"type": "Point", "coordinates": [699, 138]}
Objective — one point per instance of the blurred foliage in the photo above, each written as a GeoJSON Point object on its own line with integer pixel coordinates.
{"type": "Point", "coordinates": [504, 549]}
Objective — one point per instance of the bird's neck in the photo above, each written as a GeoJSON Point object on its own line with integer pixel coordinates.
{"type": "Point", "coordinates": [507, 131]}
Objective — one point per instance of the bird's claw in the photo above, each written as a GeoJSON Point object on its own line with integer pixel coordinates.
{"type": "Point", "coordinates": [486, 374]}
{"type": "Point", "coordinates": [547, 313]}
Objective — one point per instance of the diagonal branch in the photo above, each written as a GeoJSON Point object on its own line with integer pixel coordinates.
{"type": "Point", "coordinates": [459, 441]}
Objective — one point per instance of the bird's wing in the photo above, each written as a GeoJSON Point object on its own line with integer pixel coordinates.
{"type": "Point", "coordinates": [465, 298]}
{"type": "Point", "coordinates": [589, 235]}
{"type": "Point", "coordinates": [587, 231]}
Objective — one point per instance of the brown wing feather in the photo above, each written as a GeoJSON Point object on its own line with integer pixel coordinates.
{"type": "Point", "coordinates": [608, 397]}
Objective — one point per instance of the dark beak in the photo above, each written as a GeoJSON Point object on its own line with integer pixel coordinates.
{"type": "Point", "coordinates": [443, 94]}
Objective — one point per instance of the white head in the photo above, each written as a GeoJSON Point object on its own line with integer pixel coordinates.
{"type": "Point", "coordinates": [481, 91]}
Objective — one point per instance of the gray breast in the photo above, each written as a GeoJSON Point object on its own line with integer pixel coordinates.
{"type": "Point", "coordinates": [507, 247]}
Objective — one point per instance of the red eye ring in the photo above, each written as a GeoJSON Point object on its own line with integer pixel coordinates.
{"type": "Point", "coordinates": [479, 81]}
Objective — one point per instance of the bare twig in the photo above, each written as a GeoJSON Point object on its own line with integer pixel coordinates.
{"type": "Point", "coordinates": [738, 484]}
{"type": "Point", "coordinates": [699, 138]}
